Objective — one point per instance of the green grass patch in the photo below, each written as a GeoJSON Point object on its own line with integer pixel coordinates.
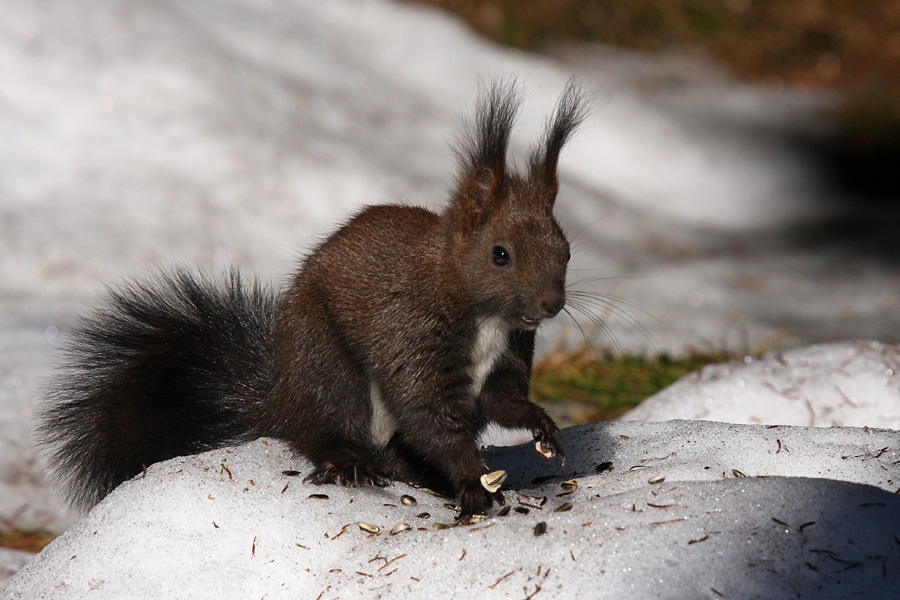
{"type": "Point", "coordinates": [584, 385]}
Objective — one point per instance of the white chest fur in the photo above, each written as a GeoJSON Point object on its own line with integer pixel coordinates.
{"type": "Point", "coordinates": [383, 423]}
{"type": "Point", "coordinates": [490, 342]}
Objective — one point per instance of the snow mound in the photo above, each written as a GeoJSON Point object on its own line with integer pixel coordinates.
{"type": "Point", "coordinates": [231, 524]}
{"type": "Point", "coordinates": [11, 561]}
{"type": "Point", "coordinates": [853, 384]}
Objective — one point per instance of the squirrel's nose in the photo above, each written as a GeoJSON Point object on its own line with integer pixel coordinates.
{"type": "Point", "coordinates": [552, 301]}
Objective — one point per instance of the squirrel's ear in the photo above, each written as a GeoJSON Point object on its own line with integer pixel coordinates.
{"type": "Point", "coordinates": [477, 194]}
{"type": "Point", "coordinates": [569, 114]}
{"type": "Point", "coordinates": [482, 151]}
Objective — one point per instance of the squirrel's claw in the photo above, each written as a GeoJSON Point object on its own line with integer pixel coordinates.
{"type": "Point", "coordinates": [475, 500]}
{"type": "Point", "coordinates": [348, 474]}
{"type": "Point", "coordinates": [547, 440]}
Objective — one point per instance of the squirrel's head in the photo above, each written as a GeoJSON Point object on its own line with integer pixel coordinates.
{"type": "Point", "coordinates": [509, 251]}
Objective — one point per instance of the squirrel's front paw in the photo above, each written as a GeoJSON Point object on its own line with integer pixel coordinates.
{"type": "Point", "coordinates": [547, 442]}
{"type": "Point", "coordinates": [475, 500]}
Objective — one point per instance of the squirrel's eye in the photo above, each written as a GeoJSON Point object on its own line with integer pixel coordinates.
{"type": "Point", "coordinates": [500, 256]}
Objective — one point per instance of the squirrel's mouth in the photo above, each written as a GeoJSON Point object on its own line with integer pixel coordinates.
{"type": "Point", "coordinates": [530, 323]}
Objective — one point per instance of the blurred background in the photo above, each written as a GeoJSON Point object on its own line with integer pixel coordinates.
{"type": "Point", "coordinates": [734, 190]}
{"type": "Point", "coordinates": [849, 48]}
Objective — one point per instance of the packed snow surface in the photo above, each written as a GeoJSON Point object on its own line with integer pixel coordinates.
{"type": "Point", "coordinates": [665, 510]}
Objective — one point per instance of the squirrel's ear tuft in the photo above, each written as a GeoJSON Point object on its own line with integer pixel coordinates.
{"type": "Point", "coordinates": [482, 151]}
{"type": "Point", "coordinates": [571, 111]}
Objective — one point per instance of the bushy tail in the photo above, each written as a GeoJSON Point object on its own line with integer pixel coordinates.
{"type": "Point", "coordinates": [168, 367]}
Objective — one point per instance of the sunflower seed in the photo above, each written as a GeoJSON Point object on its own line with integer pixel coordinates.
{"type": "Point", "coordinates": [656, 479]}
{"type": "Point", "coordinates": [522, 510]}
{"type": "Point", "coordinates": [424, 515]}
{"type": "Point", "coordinates": [540, 528]}
{"type": "Point", "coordinates": [504, 510]}
{"type": "Point", "coordinates": [408, 500]}
{"type": "Point", "coordinates": [545, 452]}
{"type": "Point", "coordinates": [368, 527]}
{"type": "Point", "coordinates": [400, 527]}
{"type": "Point", "coordinates": [290, 473]}
{"type": "Point", "coordinates": [570, 485]}
{"type": "Point", "coordinates": [737, 473]}
{"type": "Point", "coordinates": [565, 506]}
{"type": "Point", "coordinates": [317, 497]}
{"type": "Point", "coordinates": [443, 525]}
{"type": "Point", "coordinates": [492, 481]}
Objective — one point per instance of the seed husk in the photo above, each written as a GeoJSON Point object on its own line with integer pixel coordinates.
{"type": "Point", "coordinates": [423, 515]}
{"type": "Point", "coordinates": [737, 473]}
{"type": "Point", "coordinates": [540, 528]}
{"type": "Point", "coordinates": [504, 510]}
{"type": "Point", "coordinates": [408, 500]}
{"type": "Point", "coordinates": [522, 510]}
{"type": "Point", "coordinates": [492, 481]}
{"type": "Point", "coordinates": [563, 507]}
{"type": "Point", "coordinates": [290, 473]}
{"type": "Point", "coordinates": [368, 527]}
{"type": "Point", "coordinates": [545, 452]}
{"type": "Point", "coordinates": [656, 479]}
{"type": "Point", "coordinates": [450, 506]}
{"type": "Point", "coordinates": [443, 525]}
{"type": "Point", "coordinates": [317, 497]}
{"type": "Point", "coordinates": [570, 485]}
{"type": "Point", "coordinates": [604, 466]}
{"type": "Point", "coordinates": [400, 527]}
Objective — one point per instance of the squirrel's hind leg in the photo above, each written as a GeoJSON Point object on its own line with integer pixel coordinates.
{"type": "Point", "coordinates": [401, 463]}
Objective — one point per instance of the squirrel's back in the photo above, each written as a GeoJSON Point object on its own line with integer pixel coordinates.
{"type": "Point", "coordinates": [168, 367]}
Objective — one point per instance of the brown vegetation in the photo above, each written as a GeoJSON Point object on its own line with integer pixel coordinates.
{"type": "Point", "coordinates": [852, 46]}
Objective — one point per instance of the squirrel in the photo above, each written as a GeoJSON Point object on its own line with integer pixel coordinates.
{"type": "Point", "coordinates": [400, 337]}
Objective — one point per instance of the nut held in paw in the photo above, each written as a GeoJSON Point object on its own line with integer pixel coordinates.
{"type": "Point", "coordinates": [546, 453]}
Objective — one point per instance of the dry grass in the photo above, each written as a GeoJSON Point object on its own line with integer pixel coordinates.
{"type": "Point", "coordinates": [29, 541]}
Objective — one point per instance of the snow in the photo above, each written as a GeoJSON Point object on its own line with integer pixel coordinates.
{"type": "Point", "coordinates": [238, 131]}
{"type": "Point", "coordinates": [230, 524]}
{"type": "Point", "coordinates": [852, 384]}
{"type": "Point", "coordinates": [11, 561]}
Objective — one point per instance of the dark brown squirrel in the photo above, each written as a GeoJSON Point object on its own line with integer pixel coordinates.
{"type": "Point", "coordinates": [400, 338]}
